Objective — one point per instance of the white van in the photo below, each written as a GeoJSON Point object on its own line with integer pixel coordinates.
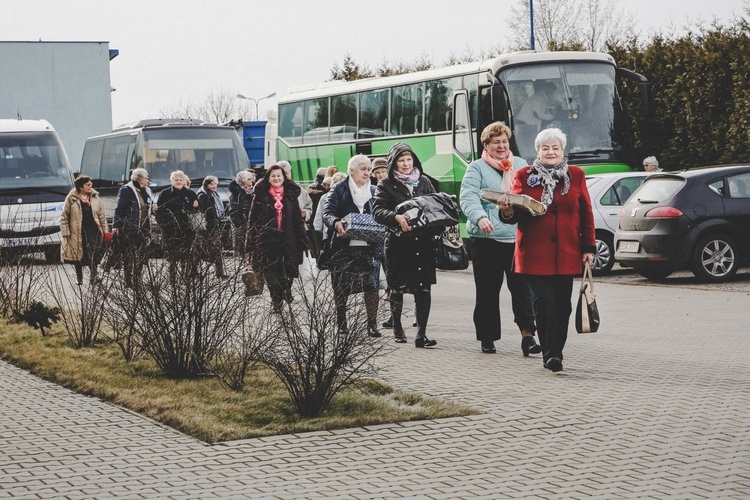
{"type": "Point", "coordinates": [35, 178]}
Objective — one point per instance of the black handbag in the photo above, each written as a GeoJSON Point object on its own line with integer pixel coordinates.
{"type": "Point", "coordinates": [430, 210]}
{"type": "Point", "coordinates": [587, 313]}
{"type": "Point", "coordinates": [451, 255]}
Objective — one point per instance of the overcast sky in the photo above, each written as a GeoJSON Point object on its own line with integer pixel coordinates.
{"type": "Point", "coordinates": [182, 50]}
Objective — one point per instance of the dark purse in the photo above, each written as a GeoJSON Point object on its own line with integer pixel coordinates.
{"type": "Point", "coordinates": [587, 313]}
{"type": "Point", "coordinates": [450, 254]}
{"type": "Point", "coordinates": [324, 256]}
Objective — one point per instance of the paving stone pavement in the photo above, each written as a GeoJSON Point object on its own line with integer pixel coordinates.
{"type": "Point", "coordinates": [654, 405]}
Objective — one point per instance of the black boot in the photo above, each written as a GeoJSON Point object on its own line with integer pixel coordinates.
{"type": "Point", "coordinates": [529, 345]}
{"type": "Point", "coordinates": [423, 303]}
{"type": "Point", "coordinates": [372, 329]}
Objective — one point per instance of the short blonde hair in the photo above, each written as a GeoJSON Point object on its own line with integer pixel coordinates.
{"type": "Point", "coordinates": [179, 174]}
{"type": "Point", "coordinates": [493, 130]}
{"type": "Point", "coordinates": [337, 177]}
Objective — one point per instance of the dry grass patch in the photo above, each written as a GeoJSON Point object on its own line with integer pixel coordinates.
{"type": "Point", "coordinates": [202, 408]}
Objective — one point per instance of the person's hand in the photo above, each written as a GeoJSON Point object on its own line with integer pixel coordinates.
{"type": "Point", "coordinates": [503, 203]}
{"type": "Point", "coordinates": [304, 214]}
{"type": "Point", "coordinates": [154, 207]}
{"type": "Point", "coordinates": [485, 225]}
{"type": "Point", "coordinates": [588, 258]}
{"type": "Point", "coordinates": [195, 204]}
{"type": "Point", "coordinates": [340, 228]}
{"type": "Point", "coordinates": [114, 230]}
{"type": "Point", "coordinates": [403, 222]}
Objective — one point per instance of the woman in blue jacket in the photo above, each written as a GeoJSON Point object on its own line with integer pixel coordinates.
{"type": "Point", "coordinates": [493, 242]}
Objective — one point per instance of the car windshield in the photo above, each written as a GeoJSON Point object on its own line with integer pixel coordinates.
{"type": "Point", "coordinates": [32, 160]}
{"type": "Point", "coordinates": [658, 190]}
{"type": "Point", "coordinates": [197, 151]}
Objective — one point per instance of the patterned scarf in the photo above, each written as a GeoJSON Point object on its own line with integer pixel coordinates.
{"type": "Point", "coordinates": [505, 167]}
{"type": "Point", "coordinates": [249, 190]}
{"type": "Point", "coordinates": [410, 181]}
{"type": "Point", "coordinates": [548, 177]}
{"type": "Point", "coordinates": [278, 195]}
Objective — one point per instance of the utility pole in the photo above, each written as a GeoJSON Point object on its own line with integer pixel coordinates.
{"type": "Point", "coordinates": [531, 22]}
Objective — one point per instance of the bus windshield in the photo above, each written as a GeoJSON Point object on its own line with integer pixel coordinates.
{"type": "Point", "coordinates": [579, 98]}
{"type": "Point", "coordinates": [197, 151]}
{"type": "Point", "coordinates": [33, 160]}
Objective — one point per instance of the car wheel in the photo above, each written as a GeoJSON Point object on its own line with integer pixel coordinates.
{"type": "Point", "coordinates": [715, 258]}
{"type": "Point", "coordinates": [654, 274]}
{"type": "Point", "coordinates": [52, 254]}
{"type": "Point", "coordinates": [604, 258]}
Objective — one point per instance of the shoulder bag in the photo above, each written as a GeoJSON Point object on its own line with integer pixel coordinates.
{"type": "Point", "coordinates": [450, 254]}
{"type": "Point", "coordinates": [587, 313]}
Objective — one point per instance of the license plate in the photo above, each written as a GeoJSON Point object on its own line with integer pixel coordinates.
{"type": "Point", "coordinates": [629, 246]}
{"type": "Point", "coordinates": [19, 242]}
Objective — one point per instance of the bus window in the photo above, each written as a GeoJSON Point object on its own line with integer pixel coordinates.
{"type": "Point", "coordinates": [343, 117]}
{"type": "Point", "coordinates": [438, 109]}
{"type": "Point", "coordinates": [406, 110]}
{"type": "Point", "coordinates": [373, 114]}
{"type": "Point", "coordinates": [115, 158]}
{"type": "Point", "coordinates": [92, 158]}
{"type": "Point", "coordinates": [290, 122]}
{"type": "Point", "coordinates": [471, 83]}
{"type": "Point", "coordinates": [316, 121]}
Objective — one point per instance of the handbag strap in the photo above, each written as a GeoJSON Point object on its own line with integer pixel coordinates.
{"type": "Point", "coordinates": [587, 278]}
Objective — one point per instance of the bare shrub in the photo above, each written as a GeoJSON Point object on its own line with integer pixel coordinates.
{"type": "Point", "coordinates": [182, 312]}
{"type": "Point", "coordinates": [21, 278]}
{"type": "Point", "coordinates": [312, 357]}
{"type": "Point", "coordinates": [81, 306]}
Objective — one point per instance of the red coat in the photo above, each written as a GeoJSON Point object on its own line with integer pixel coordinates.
{"type": "Point", "coordinates": [554, 243]}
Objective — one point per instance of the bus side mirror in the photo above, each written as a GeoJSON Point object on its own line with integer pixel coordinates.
{"type": "Point", "coordinates": [642, 83]}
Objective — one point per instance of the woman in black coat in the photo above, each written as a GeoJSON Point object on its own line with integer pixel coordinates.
{"type": "Point", "coordinates": [211, 205]}
{"type": "Point", "coordinates": [277, 236]}
{"type": "Point", "coordinates": [175, 203]}
{"type": "Point", "coordinates": [410, 255]}
{"type": "Point", "coordinates": [355, 264]}
{"type": "Point", "coordinates": [241, 195]}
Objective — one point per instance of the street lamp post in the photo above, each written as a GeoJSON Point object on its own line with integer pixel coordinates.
{"type": "Point", "coordinates": [256, 101]}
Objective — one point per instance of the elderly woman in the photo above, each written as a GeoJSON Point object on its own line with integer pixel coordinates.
{"type": "Point", "coordinates": [651, 164]}
{"type": "Point", "coordinates": [131, 223]}
{"type": "Point", "coordinates": [409, 256]}
{"type": "Point", "coordinates": [276, 233]}
{"type": "Point", "coordinates": [355, 264]}
{"type": "Point", "coordinates": [241, 191]}
{"type": "Point", "coordinates": [493, 243]}
{"type": "Point", "coordinates": [174, 205]}
{"type": "Point", "coordinates": [211, 205]}
{"type": "Point", "coordinates": [318, 224]}
{"type": "Point", "coordinates": [552, 248]}
{"type": "Point", "coordinates": [83, 225]}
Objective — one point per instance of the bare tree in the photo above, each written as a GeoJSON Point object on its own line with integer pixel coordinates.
{"type": "Point", "coordinates": [218, 107]}
{"type": "Point", "coordinates": [583, 24]}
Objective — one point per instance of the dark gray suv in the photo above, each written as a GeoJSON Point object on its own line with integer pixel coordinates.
{"type": "Point", "coordinates": [696, 219]}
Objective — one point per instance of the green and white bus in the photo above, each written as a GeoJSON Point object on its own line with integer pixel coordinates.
{"type": "Point", "coordinates": [441, 113]}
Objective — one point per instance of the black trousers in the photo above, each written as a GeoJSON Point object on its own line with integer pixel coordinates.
{"type": "Point", "coordinates": [552, 301]}
{"type": "Point", "coordinates": [492, 261]}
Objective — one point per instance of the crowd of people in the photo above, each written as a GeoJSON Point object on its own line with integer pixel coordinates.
{"type": "Point", "coordinates": [537, 255]}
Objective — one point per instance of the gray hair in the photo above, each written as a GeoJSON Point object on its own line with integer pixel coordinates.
{"type": "Point", "coordinates": [138, 173]}
{"type": "Point", "coordinates": [178, 174]}
{"type": "Point", "coordinates": [243, 176]}
{"type": "Point", "coordinates": [651, 160]}
{"type": "Point", "coordinates": [356, 161]}
{"type": "Point", "coordinates": [209, 179]}
{"type": "Point", "coordinates": [548, 136]}
{"type": "Point", "coordinates": [285, 165]}
{"type": "Point", "coordinates": [337, 177]}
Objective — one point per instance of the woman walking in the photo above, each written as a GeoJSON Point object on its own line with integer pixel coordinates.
{"type": "Point", "coordinates": [212, 206]}
{"type": "Point", "coordinates": [409, 254]}
{"type": "Point", "coordinates": [277, 236]}
{"type": "Point", "coordinates": [131, 224]}
{"type": "Point", "coordinates": [174, 206]}
{"type": "Point", "coordinates": [355, 264]}
{"type": "Point", "coordinates": [493, 243]}
{"type": "Point", "coordinates": [552, 248]}
{"type": "Point", "coordinates": [83, 225]}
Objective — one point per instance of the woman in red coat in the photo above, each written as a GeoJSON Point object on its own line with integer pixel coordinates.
{"type": "Point", "coordinates": [551, 248]}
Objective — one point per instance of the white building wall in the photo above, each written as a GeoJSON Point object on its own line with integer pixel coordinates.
{"type": "Point", "coordinates": [65, 83]}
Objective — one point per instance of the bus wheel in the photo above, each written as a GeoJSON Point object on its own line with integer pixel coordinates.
{"type": "Point", "coordinates": [52, 254]}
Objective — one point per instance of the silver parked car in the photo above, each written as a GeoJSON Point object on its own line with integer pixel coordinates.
{"type": "Point", "coordinates": [609, 192]}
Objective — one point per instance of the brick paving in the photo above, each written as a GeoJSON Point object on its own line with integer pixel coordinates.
{"type": "Point", "coordinates": [655, 405]}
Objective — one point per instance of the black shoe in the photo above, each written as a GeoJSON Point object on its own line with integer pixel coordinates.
{"type": "Point", "coordinates": [414, 323]}
{"type": "Point", "coordinates": [372, 329]}
{"type": "Point", "coordinates": [488, 347]}
{"type": "Point", "coordinates": [222, 276]}
{"type": "Point", "coordinates": [529, 346]}
{"type": "Point", "coordinates": [400, 336]}
{"type": "Point", "coordinates": [389, 323]}
{"type": "Point", "coordinates": [554, 364]}
{"type": "Point", "coordinates": [424, 342]}
{"type": "Point", "coordinates": [343, 329]}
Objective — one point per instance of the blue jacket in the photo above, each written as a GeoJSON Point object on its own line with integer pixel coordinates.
{"type": "Point", "coordinates": [480, 176]}
{"type": "Point", "coordinates": [128, 210]}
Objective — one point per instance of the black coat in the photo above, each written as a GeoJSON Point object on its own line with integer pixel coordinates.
{"type": "Point", "coordinates": [265, 242]}
{"type": "Point", "coordinates": [239, 205]}
{"type": "Point", "coordinates": [409, 257]}
{"type": "Point", "coordinates": [339, 204]}
{"type": "Point", "coordinates": [172, 215]}
{"type": "Point", "coordinates": [207, 204]}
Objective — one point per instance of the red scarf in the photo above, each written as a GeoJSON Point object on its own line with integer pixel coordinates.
{"type": "Point", "coordinates": [278, 195]}
{"type": "Point", "coordinates": [505, 167]}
